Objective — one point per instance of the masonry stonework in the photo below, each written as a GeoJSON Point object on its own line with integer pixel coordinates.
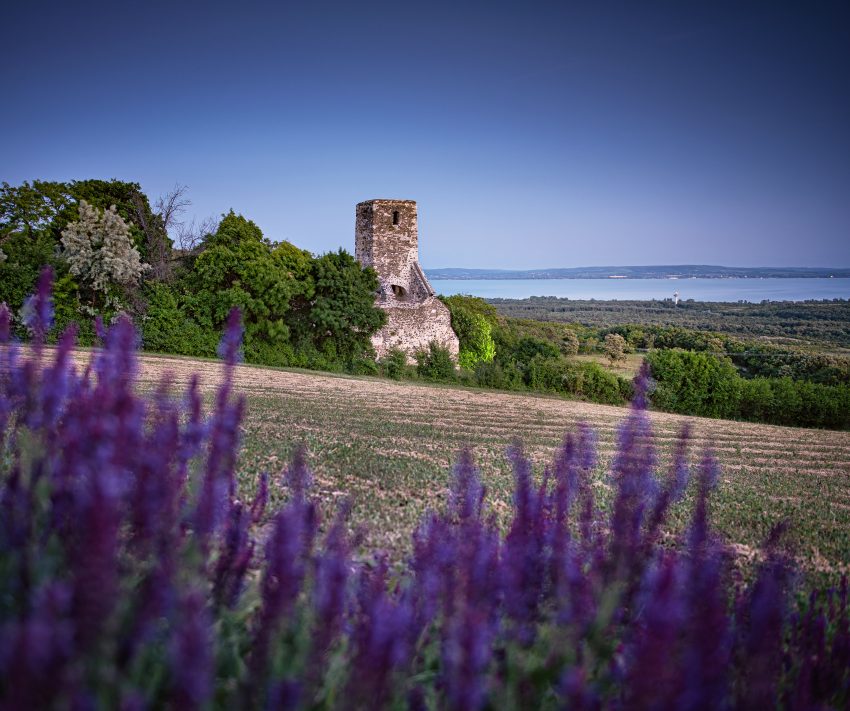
{"type": "Point", "coordinates": [386, 238]}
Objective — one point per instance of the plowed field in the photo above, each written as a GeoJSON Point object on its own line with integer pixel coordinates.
{"type": "Point", "coordinates": [389, 448]}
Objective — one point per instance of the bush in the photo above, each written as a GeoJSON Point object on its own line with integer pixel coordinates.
{"type": "Point", "coordinates": [363, 365]}
{"type": "Point", "coordinates": [495, 375]}
{"type": "Point", "coordinates": [704, 384]}
{"type": "Point", "coordinates": [166, 328]}
{"type": "Point", "coordinates": [472, 321]}
{"type": "Point", "coordinates": [695, 383]}
{"type": "Point", "coordinates": [529, 347]}
{"type": "Point", "coordinates": [600, 385]}
{"type": "Point", "coordinates": [436, 363]}
{"type": "Point", "coordinates": [134, 575]}
{"type": "Point", "coordinates": [615, 347]}
{"type": "Point", "coordinates": [394, 364]}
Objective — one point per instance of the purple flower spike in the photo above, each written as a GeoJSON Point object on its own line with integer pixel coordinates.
{"type": "Point", "coordinates": [298, 475]}
{"type": "Point", "coordinates": [192, 653]}
{"type": "Point", "coordinates": [642, 387]}
{"type": "Point", "coordinates": [230, 346]}
{"type": "Point", "coordinates": [467, 493]}
{"type": "Point", "coordinates": [5, 323]}
{"type": "Point", "coordinates": [37, 311]}
{"type": "Point", "coordinates": [587, 446]}
{"type": "Point", "coordinates": [258, 507]}
{"type": "Point", "coordinates": [99, 329]}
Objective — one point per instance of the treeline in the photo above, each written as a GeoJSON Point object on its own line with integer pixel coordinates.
{"type": "Point", "coordinates": [696, 373]}
{"type": "Point", "coordinates": [752, 358]}
{"type": "Point", "coordinates": [705, 384]}
{"type": "Point", "coordinates": [822, 323]}
{"type": "Point", "coordinates": [112, 254]}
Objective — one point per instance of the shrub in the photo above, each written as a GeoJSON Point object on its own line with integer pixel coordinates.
{"type": "Point", "coordinates": [569, 343]}
{"type": "Point", "coordinates": [472, 321]}
{"type": "Point", "coordinates": [394, 364]}
{"type": "Point", "coordinates": [695, 383]}
{"type": "Point", "coordinates": [704, 384]}
{"type": "Point", "coordinates": [530, 347]}
{"type": "Point", "coordinates": [363, 365]}
{"type": "Point", "coordinates": [435, 363]}
{"type": "Point", "coordinates": [600, 385]}
{"type": "Point", "coordinates": [166, 328]}
{"type": "Point", "coordinates": [495, 375]}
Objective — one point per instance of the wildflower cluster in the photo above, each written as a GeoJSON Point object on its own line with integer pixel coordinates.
{"type": "Point", "coordinates": [133, 576]}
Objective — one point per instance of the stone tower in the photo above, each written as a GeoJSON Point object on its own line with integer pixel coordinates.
{"type": "Point", "coordinates": [386, 238]}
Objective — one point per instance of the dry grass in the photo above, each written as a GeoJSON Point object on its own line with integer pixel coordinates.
{"type": "Point", "coordinates": [389, 447]}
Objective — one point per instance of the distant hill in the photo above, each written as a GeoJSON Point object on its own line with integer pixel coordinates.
{"type": "Point", "coordinates": [681, 271]}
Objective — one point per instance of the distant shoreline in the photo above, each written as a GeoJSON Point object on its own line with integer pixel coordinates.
{"type": "Point", "coordinates": [725, 289]}
{"type": "Point", "coordinates": [671, 272]}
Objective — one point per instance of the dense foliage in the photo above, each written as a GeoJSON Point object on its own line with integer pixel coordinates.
{"type": "Point", "coordinates": [112, 254]}
{"type": "Point", "coordinates": [473, 321]}
{"type": "Point", "coordinates": [784, 322]}
{"type": "Point", "coordinates": [698, 372]}
{"type": "Point", "coordinates": [133, 576]}
{"type": "Point", "coordinates": [510, 354]}
{"type": "Point", "coordinates": [705, 384]}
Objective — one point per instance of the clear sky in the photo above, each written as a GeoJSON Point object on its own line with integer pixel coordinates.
{"type": "Point", "coordinates": [532, 134]}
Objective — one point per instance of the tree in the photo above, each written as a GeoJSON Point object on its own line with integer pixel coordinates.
{"type": "Point", "coordinates": [238, 267]}
{"type": "Point", "coordinates": [569, 343]}
{"type": "Point", "coordinates": [476, 338]}
{"type": "Point", "coordinates": [473, 320]}
{"type": "Point", "coordinates": [188, 235]}
{"type": "Point", "coordinates": [341, 316]}
{"type": "Point", "coordinates": [100, 252]}
{"type": "Point", "coordinates": [31, 208]}
{"type": "Point", "coordinates": [615, 347]}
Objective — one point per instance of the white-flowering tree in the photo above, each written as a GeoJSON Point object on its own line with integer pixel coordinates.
{"type": "Point", "coordinates": [100, 251]}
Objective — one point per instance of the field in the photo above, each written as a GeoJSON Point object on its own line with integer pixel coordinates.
{"type": "Point", "coordinates": [389, 447]}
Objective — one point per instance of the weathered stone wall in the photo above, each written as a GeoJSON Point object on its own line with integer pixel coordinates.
{"type": "Point", "coordinates": [386, 237]}
{"type": "Point", "coordinates": [412, 328]}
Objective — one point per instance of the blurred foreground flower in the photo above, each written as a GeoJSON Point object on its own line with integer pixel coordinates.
{"type": "Point", "coordinates": [132, 575]}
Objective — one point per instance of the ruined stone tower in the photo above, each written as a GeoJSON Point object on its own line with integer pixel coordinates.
{"type": "Point", "coordinates": [386, 238]}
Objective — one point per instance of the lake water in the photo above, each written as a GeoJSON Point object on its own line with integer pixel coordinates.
{"type": "Point", "coordinates": [754, 290]}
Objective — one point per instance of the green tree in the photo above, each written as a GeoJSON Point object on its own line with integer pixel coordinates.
{"type": "Point", "coordinates": [472, 304]}
{"type": "Point", "coordinates": [695, 383]}
{"type": "Point", "coordinates": [341, 316]}
{"type": "Point", "coordinates": [239, 267]}
{"type": "Point", "coordinates": [615, 347]}
{"type": "Point", "coordinates": [476, 338]}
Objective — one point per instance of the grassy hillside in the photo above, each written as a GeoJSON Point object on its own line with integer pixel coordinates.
{"type": "Point", "coordinates": [389, 446]}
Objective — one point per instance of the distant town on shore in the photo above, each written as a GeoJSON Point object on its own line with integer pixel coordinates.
{"type": "Point", "coordinates": [676, 271]}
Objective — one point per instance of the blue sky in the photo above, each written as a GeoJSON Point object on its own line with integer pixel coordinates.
{"type": "Point", "coordinates": [531, 134]}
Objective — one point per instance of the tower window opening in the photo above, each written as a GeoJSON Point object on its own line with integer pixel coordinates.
{"type": "Point", "coordinates": [395, 217]}
{"type": "Point", "coordinates": [399, 291]}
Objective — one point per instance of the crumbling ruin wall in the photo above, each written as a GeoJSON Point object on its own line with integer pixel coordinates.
{"type": "Point", "coordinates": [386, 238]}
